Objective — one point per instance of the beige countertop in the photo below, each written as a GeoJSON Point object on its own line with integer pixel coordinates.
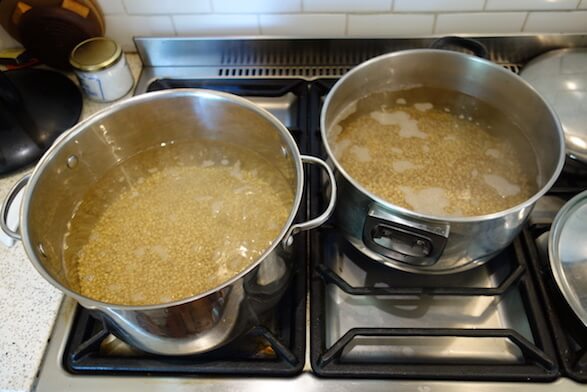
{"type": "Point", "coordinates": [28, 304]}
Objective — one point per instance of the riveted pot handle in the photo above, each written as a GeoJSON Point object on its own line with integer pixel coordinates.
{"type": "Point", "coordinates": [476, 47]}
{"type": "Point", "coordinates": [322, 218]}
{"type": "Point", "coordinates": [419, 245]}
{"type": "Point", "coordinates": [7, 203]}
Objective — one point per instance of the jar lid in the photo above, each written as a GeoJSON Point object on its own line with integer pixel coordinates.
{"type": "Point", "coordinates": [95, 54]}
{"type": "Point", "coordinates": [568, 253]}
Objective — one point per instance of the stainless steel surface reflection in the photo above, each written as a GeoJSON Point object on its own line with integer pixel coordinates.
{"type": "Point", "coordinates": [560, 77]}
{"type": "Point", "coordinates": [284, 108]}
{"type": "Point", "coordinates": [207, 320]}
{"type": "Point", "coordinates": [432, 244]}
{"type": "Point", "coordinates": [345, 312]}
{"type": "Point", "coordinates": [567, 250]}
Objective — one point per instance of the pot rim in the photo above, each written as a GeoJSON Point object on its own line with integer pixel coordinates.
{"type": "Point", "coordinates": [83, 125]}
{"type": "Point", "coordinates": [437, 218]}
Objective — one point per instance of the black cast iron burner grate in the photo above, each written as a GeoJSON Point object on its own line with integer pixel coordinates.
{"type": "Point", "coordinates": [539, 362]}
{"type": "Point", "coordinates": [277, 346]}
{"type": "Point", "coordinates": [508, 271]}
{"type": "Point", "coordinates": [507, 275]}
{"type": "Point", "coordinates": [260, 352]}
{"type": "Point", "coordinates": [569, 333]}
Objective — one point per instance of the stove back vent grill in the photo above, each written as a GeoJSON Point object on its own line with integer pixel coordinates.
{"type": "Point", "coordinates": [307, 58]}
{"type": "Point", "coordinates": [307, 64]}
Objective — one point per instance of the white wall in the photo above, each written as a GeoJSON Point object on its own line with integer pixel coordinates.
{"type": "Point", "coordinates": [337, 18]}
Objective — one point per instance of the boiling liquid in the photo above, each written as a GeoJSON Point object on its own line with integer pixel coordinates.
{"type": "Point", "coordinates": [172, 222]}
{"type": "Point", "coordinates": [436, 152]}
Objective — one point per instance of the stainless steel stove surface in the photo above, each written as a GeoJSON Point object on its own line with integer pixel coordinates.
{"type": "Point", "coordinates": [500, 327]}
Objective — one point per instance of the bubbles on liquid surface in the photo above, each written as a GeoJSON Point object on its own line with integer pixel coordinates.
{"type": "Point", "coordinates": [435, 151]}
{"type": "Point", "coordinates": [172, 227]}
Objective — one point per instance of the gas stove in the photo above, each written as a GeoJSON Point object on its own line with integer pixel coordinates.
{"type": "Point", "coordinates": [347, 322]}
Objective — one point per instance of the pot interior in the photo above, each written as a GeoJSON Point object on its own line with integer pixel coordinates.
{"type": "Point", "coordinates": [516, 109]}
{"type": "Point", "coordinates": [86, 152]}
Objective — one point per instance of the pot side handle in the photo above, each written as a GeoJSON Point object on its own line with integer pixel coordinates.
{"type": "Point", "coordinates": [322, 218]}
{"type": "Point", "coordinates": [403, 241]}
{"type": "Point", "coordinates": [476, 47]}
{"type": "Point", "coordinates": [7, 203]}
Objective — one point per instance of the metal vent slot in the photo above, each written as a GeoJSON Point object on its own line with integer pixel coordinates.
{"type": "Point", "coordinates": [311, 62]}
{"type": "Point", "coordinates": [307, 72]}
{"type": "Point", "coordinates": [515, 68]}
{"type": "Point", "coordinates": [295, 58]}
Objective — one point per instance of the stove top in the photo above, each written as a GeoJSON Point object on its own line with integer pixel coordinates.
{"type": "Point", "coordinates": [498, 327]}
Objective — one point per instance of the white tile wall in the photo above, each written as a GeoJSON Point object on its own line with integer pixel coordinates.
{"type": "Point", "coordinates": [318, 25]}
{"type": "Point", "coordinates": [531, 4]}
{"type": "Point", "coordinates": [389, 25]}
{"type": "Point", "coordinates": [557, 22]}
{"type": "Point", "coordinates": [481, 23]}
{"type": "Point", "coordinates": [347, 6]}
{"type": "Point", "coordinates": [111, 6]}
{"type": "Point", "coordinates": [167, 6]}
{"type": "Point", "coordinates": [123, 27]}
{"type": "Point", "coordinates": [437, 5]}
{"type": "Point", "coordinates": [210, 25]}
{"type": "Point", "coordinates": [256, 6]}
{"type": "Point", "coordinates": [335, 18]}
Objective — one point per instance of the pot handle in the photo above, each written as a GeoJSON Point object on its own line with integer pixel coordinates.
{"type": "Point", "coordinates": [7, 203]}
{"type": "Point", "coordinates": [320, 219]}
{"type": "Point", "coordinates": [407, 242]}
{"type": "Point", "coordinates": [474, 46]}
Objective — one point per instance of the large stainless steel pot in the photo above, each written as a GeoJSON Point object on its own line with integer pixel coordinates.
{"type": "Point", "coordinates": [84, 153]}
{"type": "Point", "coordinates": [423, 243]}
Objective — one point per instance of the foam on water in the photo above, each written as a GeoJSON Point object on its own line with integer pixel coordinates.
{"type": "Point", "coordinates": [502, 186]}
{"type": "Point", "coordinates": [408, 126]}
{"type": "Point", "coordinates": [432, 200]}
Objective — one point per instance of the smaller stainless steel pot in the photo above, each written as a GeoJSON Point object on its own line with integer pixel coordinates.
{"type": "Point", "coordinates": [430, 244]}
{"type": "Point", "coordinates": [83, 154]}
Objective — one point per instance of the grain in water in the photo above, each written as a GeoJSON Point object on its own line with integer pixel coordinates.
{"type": "Point", "coordinates": [172, 222]}
{"type": "Point", "coordinates": [436, 152]}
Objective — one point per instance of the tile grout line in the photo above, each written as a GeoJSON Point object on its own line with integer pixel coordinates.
{"type": "Point", "coordinates": [525, 21]}
{"type": "Point", "coordinates": [369, 13]}
{"type": "Point", "coordinates": [434, 23]}
{"type": "Point", "coordinates": [173, 25]}
{"type": "Point", "coordinates": [260, 29]}
{"type": "Point", "coordinates": [346, 25]}
{"type": "Point", "coordinates": [124, 7]}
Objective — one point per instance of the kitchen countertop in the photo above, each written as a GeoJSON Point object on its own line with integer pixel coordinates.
{"type": "Point", "coordinates": [28, 304]}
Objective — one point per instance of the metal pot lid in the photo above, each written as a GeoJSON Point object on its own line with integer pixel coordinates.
{"type": "Point", "coordinates": [560, 77]}
{"type": "Point", "coordinates": [567, 252]}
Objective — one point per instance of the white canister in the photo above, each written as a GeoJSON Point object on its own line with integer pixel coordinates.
{"type": "Point", "coordinates": [101, 68]}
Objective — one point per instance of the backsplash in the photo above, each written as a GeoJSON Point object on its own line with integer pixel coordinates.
{"type": "Point", "coordinates": [336, 18]}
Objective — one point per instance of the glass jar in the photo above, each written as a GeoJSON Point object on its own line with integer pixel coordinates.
{"type": "Point", "coordinates": [101, 68]}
